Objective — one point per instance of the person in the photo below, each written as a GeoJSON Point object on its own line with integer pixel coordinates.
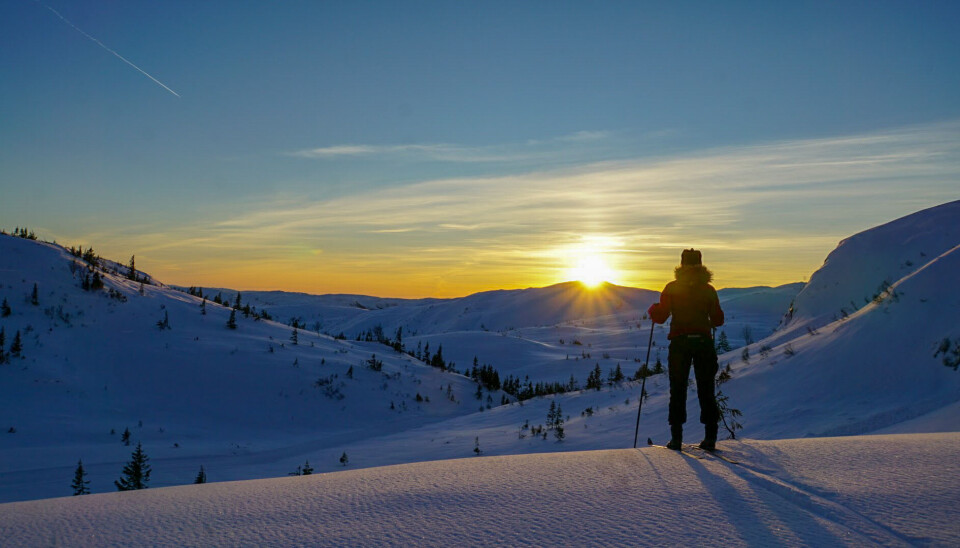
{"type": "Point", "coordinates": [695, 308]}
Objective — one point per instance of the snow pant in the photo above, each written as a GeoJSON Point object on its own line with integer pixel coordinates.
{"type": "Point", "coordinates": [697, 350]}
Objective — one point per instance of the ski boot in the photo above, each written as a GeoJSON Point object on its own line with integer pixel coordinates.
{"type": "Point", "coordinates": [676, 437]}
{"type": "Point", "coordinates": [709, 442]}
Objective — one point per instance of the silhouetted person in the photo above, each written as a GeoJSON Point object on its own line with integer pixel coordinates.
{"type": "Point", "coordinates": [695, 308]}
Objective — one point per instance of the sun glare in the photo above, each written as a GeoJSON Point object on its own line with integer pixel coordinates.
{"type": "Point", "coordinates": [591, 271]}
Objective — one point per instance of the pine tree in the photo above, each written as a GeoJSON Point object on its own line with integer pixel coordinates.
{"type": "Point", "coordinates": [236, 305]}
{"type": "Point", "coordinates": [343, 459]}
{"type": "Point", "coordinates": [203, 307]}
{"type": "Point", "coordinates": [34, 296]}
{"type": "Point", "coordinates": [232, 320]}
{"type": "Point", "coordinates": [201, 476]}
{"type": "Point", "coordinates": [136, 474]}
{"type": "Point", "coordinates": [164, 323]}
{"type": "Point", "coordinates": [723, 345]}
{"type": "Point", "coordinates": [80, 485]}
{"type": "Point", "coordinates": [16, 347]}
{"type": "Point", "coordinates": [132, 274]}
{"type": "Point", "coordinates": [307, 469]}
{"type": "Point", "coordinates": [294, 338]}
{"type": "Point", "coordinates": [595, 379]}
{"type": "Point", "coordinates": [125, 437]}
{"type": "Point", "coordinates": [5, 309]}
{"type": "Point", "coordinates": [476, 446]}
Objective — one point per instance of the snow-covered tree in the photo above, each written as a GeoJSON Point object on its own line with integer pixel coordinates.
{"type": "Point", "coordinates": [232, 320]}
{"type": "Point", "coordinates": [728, 415]}
{"type": "Point", "coordinates": [307, 469]}
{"type": "Point", "coordinates": [125, 437]}
{"type": "Point", "coordinates": [5, 309]}
{"type": "Point", "coordinates": [136, 473]}
{"type": "Point", "coordinates": [34, 296]}
{"type": "Point", "coordinates": [595, 379]}
{"type": "Point", "coordinates": [80, 485]}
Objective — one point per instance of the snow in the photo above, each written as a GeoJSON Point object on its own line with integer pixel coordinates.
{"type": "Point", "coordinates": [817, 492]}
{"type": "Point", "coordinates": [849, 438]}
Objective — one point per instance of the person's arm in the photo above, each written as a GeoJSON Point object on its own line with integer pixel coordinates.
{"type": "Point", "coordinates": [659, 312]}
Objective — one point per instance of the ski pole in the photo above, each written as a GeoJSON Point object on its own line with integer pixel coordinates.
{"type": "Point", "coordinates": [643, 385]}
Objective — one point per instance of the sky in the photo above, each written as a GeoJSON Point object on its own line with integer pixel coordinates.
{"type": "Point", "coordinates": [415, 149]}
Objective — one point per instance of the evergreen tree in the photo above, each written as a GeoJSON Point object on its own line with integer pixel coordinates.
{"type": "Point", "coordinates": [307, 469]}
{"type": "Point", "coordinates": [136, 474]}
{"type": "Point", "coordinates": [293, 336]}
{"type": "Point", "coordinates": [595, 379]}
{"type": "Point", "coordinates": [132, 273]}
{"type": "Point", "coordinates": [236, 305]}
{"type": "Point", "coordinates": [16, 347]}
{"type": "Point", "coordinates": [201, 476]}
{"type": "Point", "coordinates": [125, 437]}
{"type": "Point", "coordinates": [5, 309]}
{"type": "Point", "coordinates": [616, 375]}
{"type": "Point", "coordinates": [476, 446]}
{"type": "Point", "coordinates": [723, 345]}
{"type": "Point", "coordinates": [658, 367]}
{"type": "Point", "coordinates": [80, 485]}
{"type": "Point", "coordinates": [343, 459]}
{"type": "Point", "coordinates": [350, 372]}
{"type": "Point", "coordinates": [34, 296]}
{"type": "Point", "coordinates": [232, 320]}
{"type": "Point", "coordinates": [203, 307]}
{"type": "Point", "coordinates": [164, 323]}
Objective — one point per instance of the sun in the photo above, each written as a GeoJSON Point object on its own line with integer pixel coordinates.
{"type": "Point", "coordinates": [591, 270]}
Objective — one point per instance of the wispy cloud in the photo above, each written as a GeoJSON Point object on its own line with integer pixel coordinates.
{"type": "Point", "coordinates": [764, 214]}
{"type": "Point", "coordinates": [446, 152]}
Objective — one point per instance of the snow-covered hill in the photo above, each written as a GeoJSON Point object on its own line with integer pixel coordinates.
{"type": "Point", "coordinates": [222, 398]}
{"type": "Point", "coordinates": [862, 491]}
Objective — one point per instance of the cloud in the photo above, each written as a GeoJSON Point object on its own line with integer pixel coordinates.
{"type": "Point", "coordinates": [764, 214]}
{"type": "Point", "coordinates": [445, 152]}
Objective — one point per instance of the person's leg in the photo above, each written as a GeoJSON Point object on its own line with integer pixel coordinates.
{"type": "Point", "coordinates": [679, 371]}
{"type": "Point", "coordinates": [705, 367]}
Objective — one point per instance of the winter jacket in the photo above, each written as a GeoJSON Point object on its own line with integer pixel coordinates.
{"type": "Point", "coordinates": [692, 302]}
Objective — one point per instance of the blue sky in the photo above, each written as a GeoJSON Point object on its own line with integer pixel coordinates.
{"type": "Point", "coordinates": [439, 148]}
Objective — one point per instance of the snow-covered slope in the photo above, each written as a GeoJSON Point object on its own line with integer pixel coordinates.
{"type": "Point", "coordinates": [873, 490]}
{"type": "Point", "coordinates": [864, 264]}
{"type": "Point", "coordinates": [95, 363]}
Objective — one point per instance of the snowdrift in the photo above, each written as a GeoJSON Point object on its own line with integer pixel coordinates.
{"type": "Point", "coordinates": [897, 490]}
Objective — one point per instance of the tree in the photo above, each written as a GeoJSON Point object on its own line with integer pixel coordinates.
{"type": "Point", "coordinates": [747, 333]}
{"type": "Point", "coordinates": [307, 469]}
{"type": "Point", "coordinates": [164, 323]}
{"type": "Point", "coordinates": [728, 415]}
{"type": "Point", "coordinates": [236, 305]}
{"type": "Point", "coordinates": [136, 474]}
{"type": "Point", "coordinates": [3, 343]}
{"type": "Point", "coordinates": [125, 437]}
{"type": "Point", "coordinates": [201, 476]}
{"type": "Point", "coordinates": [294, 338]}
{"type": "Point", "coordinates": [34, 296]}
{"type": "Point", "coordinates": [132, 274]}
{"type": "Point", "coordinates": [232, 320]}
{"type": "Point", "coordinates": [595, 379]}
{"type": "Point", "coordinates": [80, 485]}
{"type": "Point", "coordinates": [16, 347]}
{"type": "Point", "coordinates": [555, 420]}
{"type": "Point", "coordinates": [343, 459]}
{"type": "Point", "coordinates": [5, 309]}
{"type": "Point", "coordinates": [723, 345]}
{"type": "Point", "coordinates": [616, 375]}
{"type": "Point", "coordinates": [476, 446]}
{"type": "Point", "coordinates": [203, 307]}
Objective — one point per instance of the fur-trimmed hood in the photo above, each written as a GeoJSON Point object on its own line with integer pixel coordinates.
{"type": "Point", "coordinates": [692, 274]}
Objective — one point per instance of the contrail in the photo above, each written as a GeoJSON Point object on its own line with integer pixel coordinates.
{"type": "Point", "coordinates": [99, 43]}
